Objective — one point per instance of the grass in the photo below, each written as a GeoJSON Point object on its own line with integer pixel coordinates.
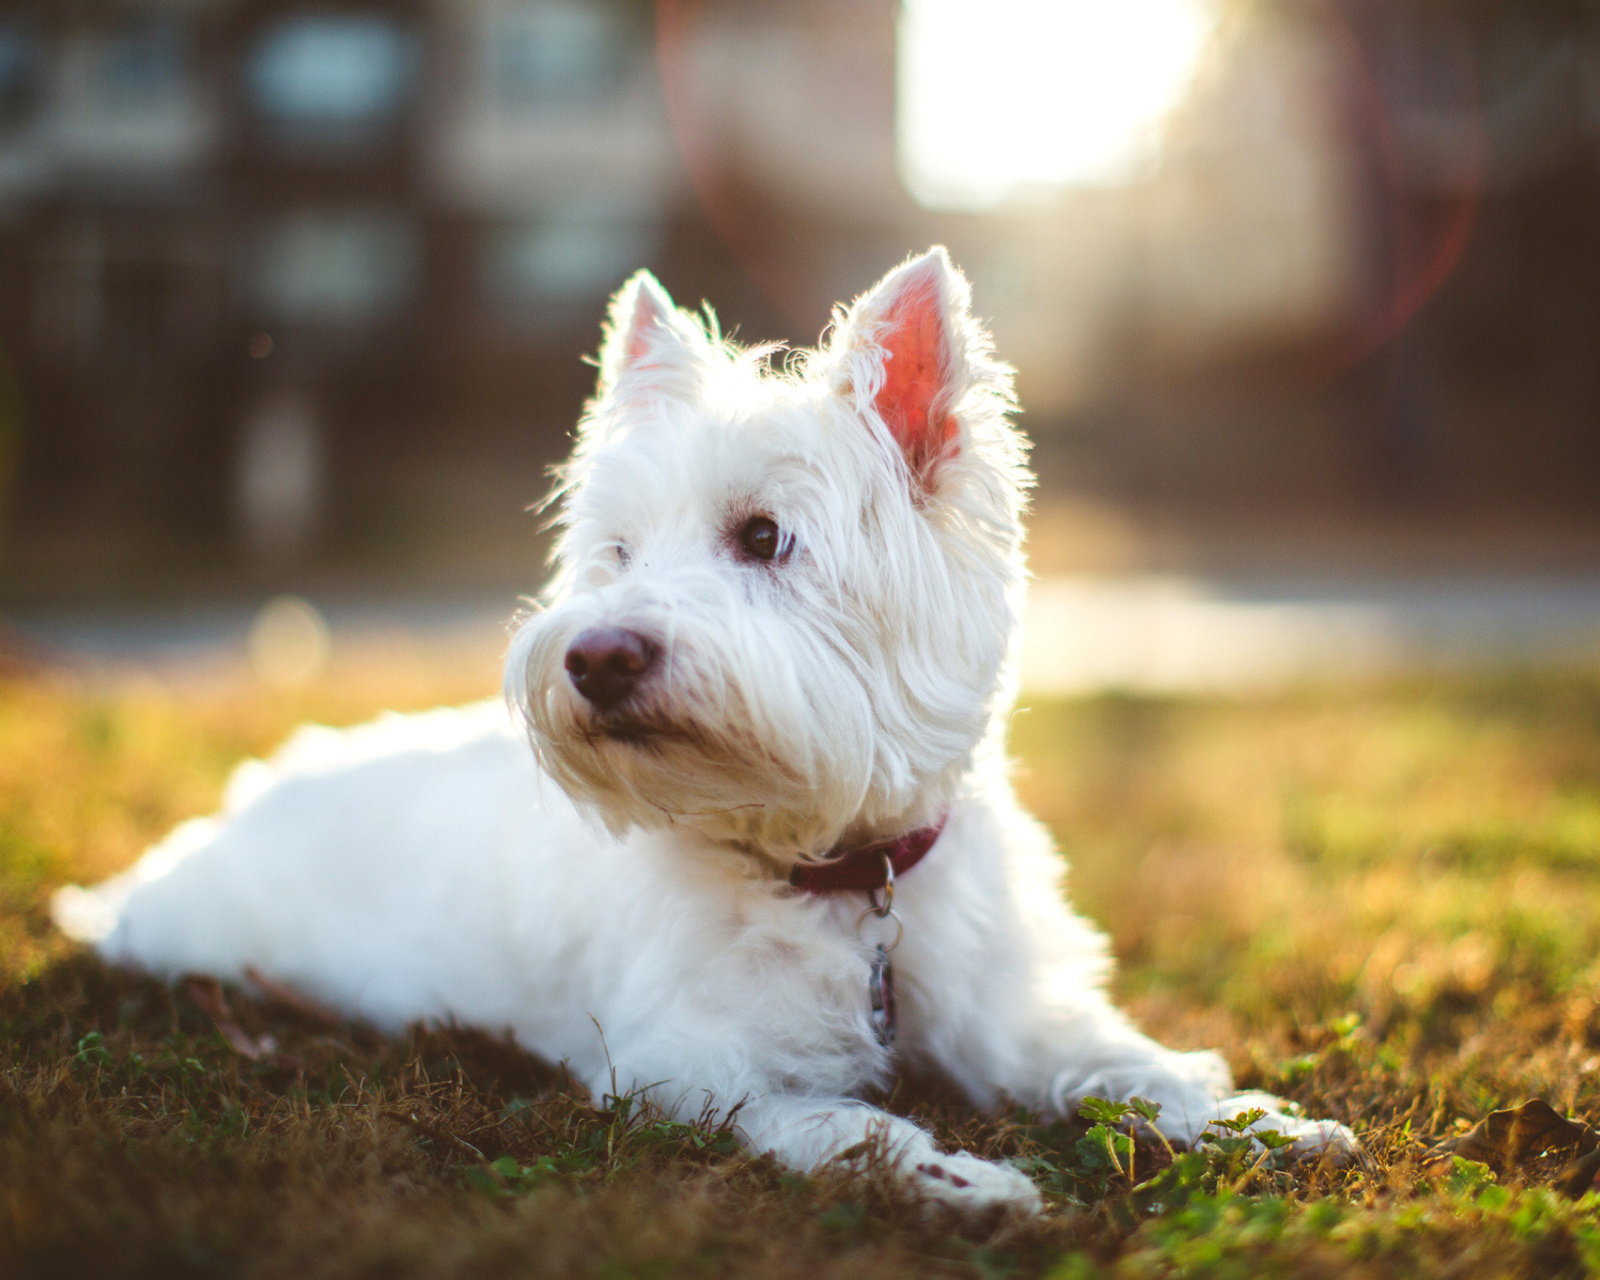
{"type": "Point", "coordinates": [1378, 901]}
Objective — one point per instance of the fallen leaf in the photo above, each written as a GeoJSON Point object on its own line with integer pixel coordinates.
{"type": "Point", "coordinates": [1516, 1140]}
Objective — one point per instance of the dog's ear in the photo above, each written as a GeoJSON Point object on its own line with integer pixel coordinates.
{"type": "Point", "coordinates": [905, 353]}
{"type": "Point", "coordinates": [647, 339]}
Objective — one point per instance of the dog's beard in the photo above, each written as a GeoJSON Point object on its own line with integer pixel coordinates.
{"type": "Point", "coordinates": [741, 753]}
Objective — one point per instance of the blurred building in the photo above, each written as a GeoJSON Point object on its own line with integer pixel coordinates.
{"type": "Point", "coordinates": [255, 250]}
{"type": "Point", "coordinates": [285, 273]}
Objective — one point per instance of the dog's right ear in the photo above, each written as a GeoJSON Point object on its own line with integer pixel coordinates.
{"type": "Point", "coordinates": [649, 345]}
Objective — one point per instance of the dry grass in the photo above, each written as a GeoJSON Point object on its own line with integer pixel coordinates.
{"type": "Point", "coordinates": [1380, 902]}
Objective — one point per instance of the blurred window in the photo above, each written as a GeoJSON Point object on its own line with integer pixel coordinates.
{"type": "Point", "coordinates": [333, 78]}
{"type": "Point", "coordinates": [143, 63]}
{"type": "Point", "coordinates": [334, 268]}
{"type": "Point", "coordinates": [21, 74]}
{"type": "Point", "coordinates": [546, 274]}
{"type": "Point", "coordinates": [125, 304]}
{"type": "Point", "coordinates": [557, 53]}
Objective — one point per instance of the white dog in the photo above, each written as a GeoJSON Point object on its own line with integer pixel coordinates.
{"type": "Point", "coordinates": [767, 689]}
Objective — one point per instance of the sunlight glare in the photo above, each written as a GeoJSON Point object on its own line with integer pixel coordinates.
{"type": "Point", "coordinates": [1008, 94]}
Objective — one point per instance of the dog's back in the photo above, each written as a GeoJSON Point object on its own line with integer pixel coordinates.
{"type": "Point", "coordinates": [373, 868]}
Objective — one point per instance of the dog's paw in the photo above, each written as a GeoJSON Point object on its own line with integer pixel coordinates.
{"type": "Point", "coordinates": [965, 1182]}
{"type": "Point", "coordinates": [1323, 1138]}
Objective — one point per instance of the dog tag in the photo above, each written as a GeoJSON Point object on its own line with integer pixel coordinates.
{"type": "Point", "coordinates": [880, 993]}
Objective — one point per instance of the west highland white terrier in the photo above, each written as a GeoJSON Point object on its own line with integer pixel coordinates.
{"type": "Point", "coordinates": [765, 849]}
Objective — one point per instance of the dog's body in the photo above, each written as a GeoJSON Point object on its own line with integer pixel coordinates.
{"type": "Point", "coordinates": [779, 632]}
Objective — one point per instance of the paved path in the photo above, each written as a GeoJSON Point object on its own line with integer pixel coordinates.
{"type": "Point", "coordinates": [1140, 633]}
{"type": "Point", "coordinates": [1176, 634]}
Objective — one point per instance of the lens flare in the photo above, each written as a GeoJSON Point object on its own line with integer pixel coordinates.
{"type": "Point", "coordinates": [289, 642]}
{"type": "Point", "coordinates": [1012, 94]}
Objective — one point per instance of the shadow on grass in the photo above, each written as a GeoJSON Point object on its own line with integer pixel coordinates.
{"type": "Point", "coordinates": [136, 1140]}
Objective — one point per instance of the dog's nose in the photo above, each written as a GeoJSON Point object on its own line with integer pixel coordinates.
{"type": "Point", "coordinates": [607, 663]}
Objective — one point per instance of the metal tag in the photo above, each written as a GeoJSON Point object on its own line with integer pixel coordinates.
{"type": "Point", "coordinates": [880, 992]}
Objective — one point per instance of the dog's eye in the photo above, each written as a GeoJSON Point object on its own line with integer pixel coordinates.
{"type": "Point", "coordinates": [759, 538]}
{"type": "Point", "coordinates": [624, 554]}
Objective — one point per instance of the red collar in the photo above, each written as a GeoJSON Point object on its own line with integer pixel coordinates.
{"type": "Point", "coordinates": [862, 868]}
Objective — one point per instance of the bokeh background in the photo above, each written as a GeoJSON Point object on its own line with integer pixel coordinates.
{"type": "Point", "coordinates": [1304, 296]}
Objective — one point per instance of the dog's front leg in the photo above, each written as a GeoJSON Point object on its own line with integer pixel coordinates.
{"type": "Point", "coordinates": [1019, 1011]}
{"type": "Point", "coordinates": [1097, 1053]}
{"type": "Point", "coordinates": [808, 1132]}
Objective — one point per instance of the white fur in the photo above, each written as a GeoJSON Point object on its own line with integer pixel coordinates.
{"type": "Point", "coordinates": [621, 905]}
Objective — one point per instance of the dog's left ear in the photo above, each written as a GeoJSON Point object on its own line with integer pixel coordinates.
{"type": "Point", "coordinates": [903, 348]}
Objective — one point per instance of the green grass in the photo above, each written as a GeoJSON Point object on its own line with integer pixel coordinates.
{"type": "Point", "coordinates": [1378, 901]}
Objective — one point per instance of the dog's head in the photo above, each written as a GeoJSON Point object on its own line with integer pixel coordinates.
{"type": "Point", "coordinates": [784, 599]}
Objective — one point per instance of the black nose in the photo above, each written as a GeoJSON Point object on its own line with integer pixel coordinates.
{"type": "Point", "coordinates": [607, 663]}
